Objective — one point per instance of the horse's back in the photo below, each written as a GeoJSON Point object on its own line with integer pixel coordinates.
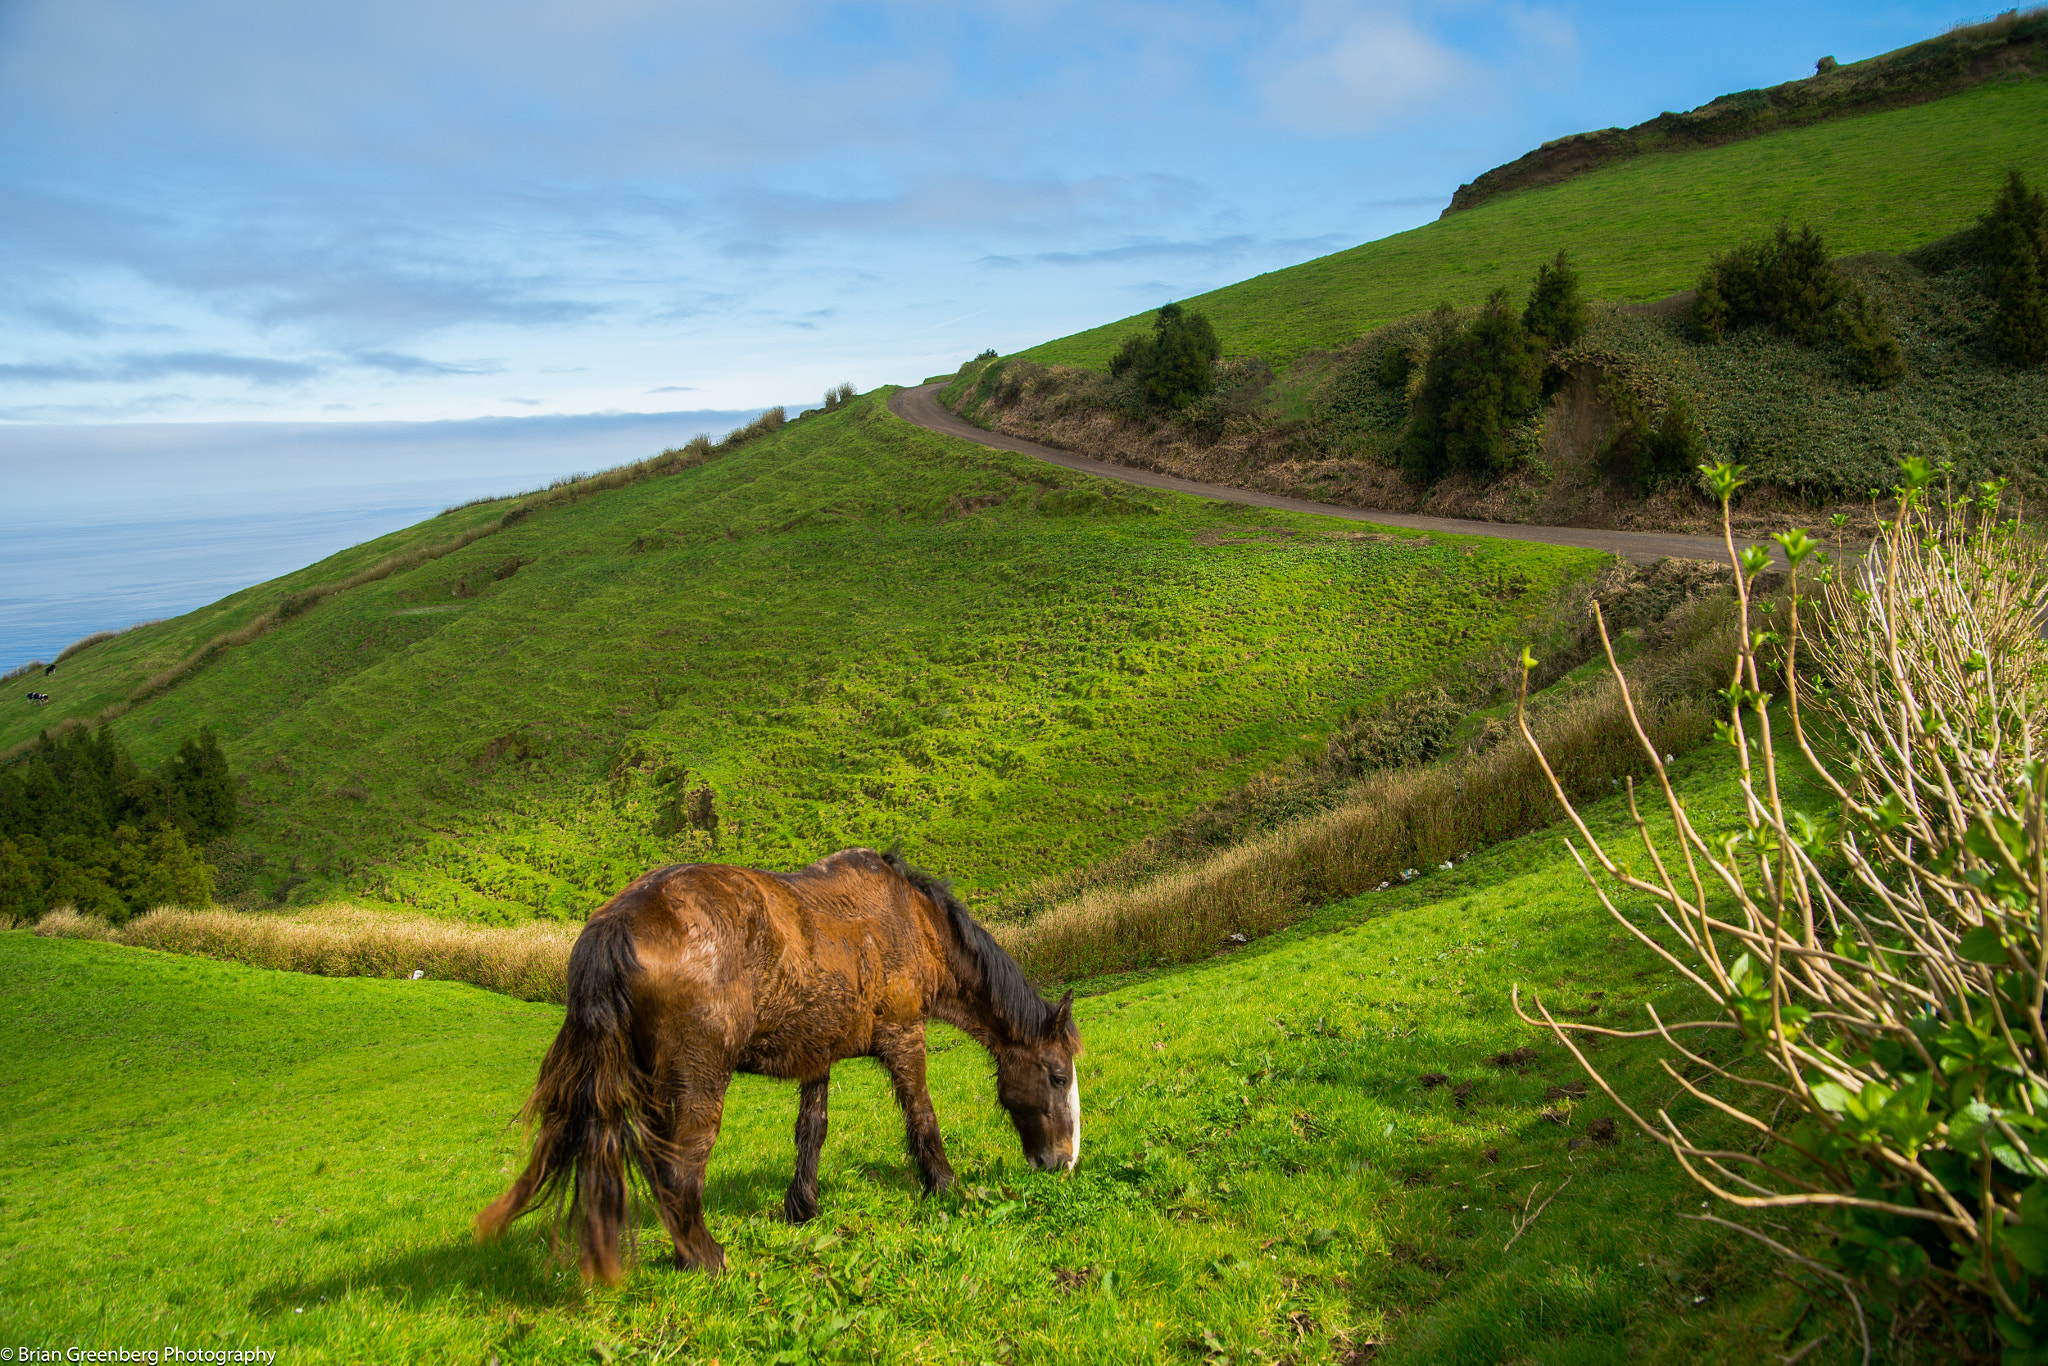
{"type": "Point", "coordinates": [789, 970]}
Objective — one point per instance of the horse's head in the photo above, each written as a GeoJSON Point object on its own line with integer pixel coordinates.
{"type": "Point", "coordinates": [1039, 1083]}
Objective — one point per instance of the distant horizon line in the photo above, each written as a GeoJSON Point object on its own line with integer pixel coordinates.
{"type": "Point", "coordinates": [744, 413]}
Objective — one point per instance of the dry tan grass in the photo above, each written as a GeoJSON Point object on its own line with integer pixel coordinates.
{"type": "Point", "coordinates": [526, 961]}
{"type": "Point", "coordinates": [1414, 818]}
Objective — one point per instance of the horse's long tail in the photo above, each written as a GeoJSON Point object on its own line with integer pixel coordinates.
{"type": "Point", "coordinates": [588, 1108]}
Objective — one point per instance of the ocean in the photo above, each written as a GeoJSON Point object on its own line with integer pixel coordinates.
{"type": "Point", "coordinates": [102, 527]}
{"type": "Point", "coordinates": [65, 575]}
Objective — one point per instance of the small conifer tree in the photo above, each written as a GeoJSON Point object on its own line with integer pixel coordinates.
{"type": "Point", "coordinates": [2016, 260]}
{"type": "Point", "coordinates": [1497, 377]}
{"type": "Point", "coordinates": [1557, 311]}
{"type": "Point", "coordinates": [200, 774]}
{"type": "Point", "coordinates": [1176, 364]}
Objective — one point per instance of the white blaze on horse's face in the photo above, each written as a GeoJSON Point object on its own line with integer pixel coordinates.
{"type": "Point", "coordinates": [1074, 1109]}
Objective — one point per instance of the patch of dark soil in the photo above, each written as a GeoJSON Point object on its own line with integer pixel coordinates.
{"type": "Point", "coordinates": [1432, 1080]}
{"type": "Point", "coordinates": [1462, 1092]}
{"type": "Point", "coordinates": [1067, 1280]}
{"type": "Point", "coordinates": [963, 507]}
{"type": "Point", "coordinates": [1518, 1058]}
{"type": "Point", "coordinates": [1573, 1090]}
{"type": "Point", "coordinates": [1410, 1255]}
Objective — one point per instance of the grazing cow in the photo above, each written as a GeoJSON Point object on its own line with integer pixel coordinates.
{"type": "Point", "coordinates": [47, 672]}
{"type": "Point", "coordinates": [39, 698]}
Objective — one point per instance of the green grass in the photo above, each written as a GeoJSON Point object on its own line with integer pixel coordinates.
{"type": "Point", "coordinates": [1644, 228]}
{"type": "Point", "coordinates": [203, 1154]}
{"type": "Point", "coordinates": [854, 632]}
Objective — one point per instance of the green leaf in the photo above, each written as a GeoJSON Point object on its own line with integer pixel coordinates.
{"type": "Point", "coordinates": [2030, 1246]}
{"type": "Point", "coordinates": [1832, 1097]}
{"type": "Point", "coordinates": [1983, 945]}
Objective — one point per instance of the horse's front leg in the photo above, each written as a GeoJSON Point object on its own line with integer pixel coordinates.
{"type": "Point", "coordinates": [901, 1049]}
{"type": "Point", "coordinates": [800, 1202]}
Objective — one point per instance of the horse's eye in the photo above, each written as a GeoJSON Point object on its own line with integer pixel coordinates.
{"type": "Point", "coordinates": [1059, 1078]}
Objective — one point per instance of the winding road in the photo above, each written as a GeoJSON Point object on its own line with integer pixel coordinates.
{"type": "Point", "coordinates": [921, 406]}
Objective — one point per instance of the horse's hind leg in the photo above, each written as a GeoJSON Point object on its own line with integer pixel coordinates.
{"type": "Point", "coordinates": [693, 1104]}
{"type": "Point", "coordinates": [800, 1202]}
{"type": "Point", "coordinates": [901, 1049]}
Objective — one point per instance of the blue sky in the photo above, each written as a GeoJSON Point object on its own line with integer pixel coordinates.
{"type": "Point", "coordinates": [222, 211]}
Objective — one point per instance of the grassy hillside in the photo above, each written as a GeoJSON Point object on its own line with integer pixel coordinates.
{"type": "Point", "coordinates": [2002, 49]}
{"type": "Point", "coordinates": [202, 1154]}
{"type": "Point", "coordinates": [1644, 228]}
{"type": "Point", "coordinates": [854, 631]}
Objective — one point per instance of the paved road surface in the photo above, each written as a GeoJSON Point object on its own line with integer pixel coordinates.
{"type": "Point", "coordinates": [921, 406]}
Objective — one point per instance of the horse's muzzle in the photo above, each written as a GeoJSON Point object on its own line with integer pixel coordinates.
{"type": "Point", "coordinates": [1053, 1160]}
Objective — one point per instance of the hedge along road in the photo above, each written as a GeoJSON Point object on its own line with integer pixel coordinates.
{"type": "Point", "coordinates": [921, 406]}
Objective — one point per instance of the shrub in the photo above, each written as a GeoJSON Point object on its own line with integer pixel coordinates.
{"type": "Point", "coordinates": [839, 396]}
{"type": "Point", "coordinates": [1645, 452]}
{"type": "Point", "coordinates": [1865, 332]}
{"type": "Point", "coordinates": [1788, 283]}
{"type": "Point", "coordinates": [1476, 386]}
{"type": "Point", "coordinates": [1412, 730]}
{"type": "Point", "coordinates": [2016, 268]}
{"type": "Point", "coordinates": [1557, 311]}
{"type": "Point", "coordinates": [1176, 364]}
{"type": "Point", "coordinates": [1878, 971]}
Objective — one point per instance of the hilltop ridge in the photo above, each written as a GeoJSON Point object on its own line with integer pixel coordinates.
{"type": "Point", "coordinates": [2006, 48]}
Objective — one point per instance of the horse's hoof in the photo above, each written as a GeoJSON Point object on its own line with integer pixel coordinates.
{"type": "Point", "coordinates": [711, 1263]}
{"type": "Point", "coordinates": [799, 1209]}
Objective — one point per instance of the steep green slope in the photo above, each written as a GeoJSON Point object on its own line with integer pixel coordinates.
{"type": "Point", "coordinates": [2005, 48]}
{"type": "Point", "coordinates": [1644, 228]}
{"type": "Point", "coordinates": [202, 1154]}
{"type": "Point", "coordinates": [854, 631]}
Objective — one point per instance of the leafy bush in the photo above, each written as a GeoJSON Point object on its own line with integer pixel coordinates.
{"type": "Point", "coordinates": [2015, 235]}
{"type": "Point", "coordinates": [1788, 283]}
{"type": "Point", "coordinates": [1878, 970]}
{"type": "Point", "coordinates": [1176, 364]}
{"type": "Point", "coordinates": [1557, 311]}
{"type": "Point", "coordinates": [839, 396]}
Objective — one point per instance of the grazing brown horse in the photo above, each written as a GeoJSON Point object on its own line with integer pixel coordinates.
{"type": "Point", "coordinates": [698, 971]}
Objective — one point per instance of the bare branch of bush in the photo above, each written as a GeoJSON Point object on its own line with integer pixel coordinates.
{"type": "Point", "coordinates": [1883, 965]}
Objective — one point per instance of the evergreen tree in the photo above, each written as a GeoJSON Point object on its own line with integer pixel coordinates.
{"type": "Point", "coordinates": [200, 776]}
{"type": "Point", "coordinates": [1866, 334]}
{"type": "Point", "coordinates": [1497, 383]}
{"type": "Point", "coordinates": [1176, 364]}
{"type": "Point", "coordinates": [159, 868]}
{"type": "Point", "coordinates": [20, 887]}
{"type": "Point", "coordinates": [81, 824]}
{"type": "Point", "coordinates": [1557, 312]}
{"type": "Point", "coordinates": [2016, 261]}
{"type": "Point", "coordinates": [1479, 381]}
{"type": "Point", "coordinates": [1422, 443]}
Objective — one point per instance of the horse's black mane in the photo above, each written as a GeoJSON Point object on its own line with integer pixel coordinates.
{"type": "Point", "coordinates": [1010, 993]}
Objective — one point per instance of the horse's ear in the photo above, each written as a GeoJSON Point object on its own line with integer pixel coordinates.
{"type": "Point", "coordinates": [1063, 1015]}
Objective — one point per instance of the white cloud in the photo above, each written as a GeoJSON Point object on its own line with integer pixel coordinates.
{"type": "Point", "coordinates": [1341, 68]}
